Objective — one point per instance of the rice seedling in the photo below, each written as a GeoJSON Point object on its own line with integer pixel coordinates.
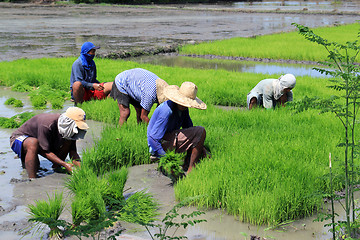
{"type": "Point", "coordinates": [118, 147]}
{"type": "Point", "coordinates": [47, 213]}
{"type": "Point", "coordinates": [275, 46]}
{"type": "Point", "coordinates": [38, 101]}
{"type": "Point", "coordinates": [140, 207]}
{"type": "Point", "coordinates": [171, 165]}
{"type": "Point", "coordinates": [15, 102]}
{"type": "Point", "coordinates": [218, 87]}
{"type": "Point", "coordinates": [15, 121]}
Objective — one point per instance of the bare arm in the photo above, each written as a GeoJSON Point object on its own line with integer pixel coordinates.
{"type": "Point", "coordinates": [144, 115]}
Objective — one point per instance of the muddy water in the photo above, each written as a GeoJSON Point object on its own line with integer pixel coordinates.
{"type": "Point", "coordinates": [173, 60]}
{"type": "Point", "coordinates": [33, 31]}
{"type": "Point", "coordinates": [293, 5]}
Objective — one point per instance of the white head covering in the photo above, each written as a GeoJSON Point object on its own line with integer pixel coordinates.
{"type": "Point", "coordinates": [286, 81]}
{"type": "Point", "coordinates": [68, 129]}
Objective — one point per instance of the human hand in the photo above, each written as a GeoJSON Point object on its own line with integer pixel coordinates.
{"type": "Point", "coordinates": [98, 87]}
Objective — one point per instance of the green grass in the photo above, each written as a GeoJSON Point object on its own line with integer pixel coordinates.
{"type": "Point", "coordinates": [276, 46]}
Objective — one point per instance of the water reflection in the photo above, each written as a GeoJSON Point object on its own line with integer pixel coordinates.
{"type": "Point", "coordinates": [231, 65]}
{"type": "Point", "coordinates": [307, 5]}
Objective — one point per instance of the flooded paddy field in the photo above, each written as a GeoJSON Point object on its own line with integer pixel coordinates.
{"type": "Point", "coordinates": [32, 31]}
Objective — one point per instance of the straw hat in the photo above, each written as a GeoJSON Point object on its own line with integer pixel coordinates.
{"type": "Point", "coordinates": [160, 87]}
{"type": "Point", "coordinates": [185, 95]}
{"type": "Point", "coordinates": [78, 115]}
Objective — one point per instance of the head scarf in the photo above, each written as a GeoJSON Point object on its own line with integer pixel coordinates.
{"type": "Point", "coordinates": [68, 129]}
{"type": "Point", "coordinates": [87, 59]}
{"type": "Point", "coordinates": [286, 81]}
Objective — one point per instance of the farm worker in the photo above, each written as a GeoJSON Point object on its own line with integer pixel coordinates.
{"type": "Point", "coordinates": [164, 131]}
{"type": "Point", "coordinates": [270, 92]}
{"type": "Point", "coordinates": [83, 83]}
{"type": "Point", "coordinates": [51, 135]}
{"type": "Point", "coordinates": [140, 88]}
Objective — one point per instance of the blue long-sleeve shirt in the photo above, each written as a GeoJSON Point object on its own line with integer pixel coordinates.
{"type": "Point", "coordinates": [79, 73]}
{"type": "Point", "coordinates": [166, 118]}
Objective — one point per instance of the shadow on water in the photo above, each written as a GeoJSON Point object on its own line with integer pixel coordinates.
{"type": "Point", "coordinates": [230, 65]}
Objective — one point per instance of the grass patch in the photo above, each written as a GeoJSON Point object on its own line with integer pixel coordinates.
{"type": "Point", "coordinates": [288, 45]}
{"type": "Point", "coordinates": [15, 121]}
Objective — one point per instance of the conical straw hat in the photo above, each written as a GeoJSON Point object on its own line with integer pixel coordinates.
{"type": "Point", "coordinates": [160, 87]}
{"type": "Point", "coordinates": [185, 95]}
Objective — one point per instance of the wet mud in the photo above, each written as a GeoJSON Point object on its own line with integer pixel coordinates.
{"type": "Point", "coordinates": [33, 31]}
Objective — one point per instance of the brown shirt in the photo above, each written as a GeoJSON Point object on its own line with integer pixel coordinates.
{"type": "Point", "coordinates": [44, 128]}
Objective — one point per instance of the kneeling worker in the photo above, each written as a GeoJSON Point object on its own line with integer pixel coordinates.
{"type": "Point", "coordinates": [164, 131]}
{"type": "Point", "coordinates": [51, 135]}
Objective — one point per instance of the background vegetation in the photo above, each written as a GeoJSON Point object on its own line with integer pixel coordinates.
{"type": "Point", "coordinates": [276, 46]}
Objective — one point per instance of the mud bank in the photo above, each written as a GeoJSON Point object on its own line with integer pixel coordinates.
{"type": "Point", "coordinates": [34, 31]}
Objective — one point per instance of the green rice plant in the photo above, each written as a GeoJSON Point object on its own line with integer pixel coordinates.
{"type": "Point", "coordinates": [217, 87]}
{"type": "Point", "coordinates": [21, 87]}
{"type": "Point", "coordinates": [118, 147]}
{"type": "Point", "coordinates": [18, 103]}
{"type": "Point", "coordinates": [275, 46]}
{"type": "Point", "coordinates": [140, 207]}
{"type": "Point", "coordinates": [172, 165]}
{"type": "Point", "coordinates": [116, 181]}
{"type": "Point", "coordinates": [15, 121]}
{"type": "Point", "coordinates": [38, 101]}
{"type": "Point", "coordinates": [260, 175]}
{"type": "Point", "coordinates": [47, 213]}
{"type": "Point", "coordinates": [15, 102]}
{"type": "Point", "coordinates": [10, 101]}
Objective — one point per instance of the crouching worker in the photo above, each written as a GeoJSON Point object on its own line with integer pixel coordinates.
{"type": "Point", "coordinates": [164, 131]}
{"type": "Point", "coordinates": [140, 88]}
{"type": "Point", "coordinates": [51, 135]}
{"type": "Point", "coordinates": [272, 92]}
{"type": "Point", "coordinates": [84, 85]}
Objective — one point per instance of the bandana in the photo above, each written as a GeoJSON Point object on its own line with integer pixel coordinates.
{"type": "Point", "coordinates": [87, 59]}
{"type": "Point", "coordinates": [68, 129]}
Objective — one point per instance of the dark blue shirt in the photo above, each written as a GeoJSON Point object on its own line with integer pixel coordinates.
{"type": "Point", "coordinates": [166, 118]}
{"type": "Point", "coordinates": [86, 76]}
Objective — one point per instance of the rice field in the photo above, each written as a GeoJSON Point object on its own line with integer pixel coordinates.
{"type": "Point", "coordinates": [288, 45]}
{"type": "Point", "coordinates": [218, 87]}
{"type": "Point", "coordinates": [269, 166]}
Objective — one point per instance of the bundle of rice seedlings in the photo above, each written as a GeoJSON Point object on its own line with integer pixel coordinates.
{"type": "Point", "coordinates": [141, 207]}
{"type": "Point", "coordinates": [48, 213]}
{"type": "Point", "coordinates": [171, 165]}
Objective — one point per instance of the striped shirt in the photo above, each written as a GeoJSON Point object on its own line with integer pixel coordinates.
{"type": "Point", "coordinates": [139, 84]}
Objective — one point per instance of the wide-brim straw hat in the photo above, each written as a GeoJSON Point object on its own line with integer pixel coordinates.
{"type": "Point", "coordinates": [160, 88]}
{"type": "Point", "coordinates": [185, 95]}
